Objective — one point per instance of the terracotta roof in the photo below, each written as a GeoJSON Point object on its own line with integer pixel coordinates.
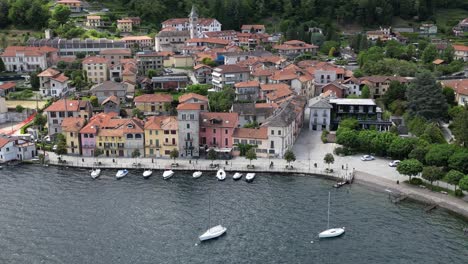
{"type": "Point", "coordinates": [161, 123]}
{"type": "Point", "coordinates": [232, 68]}
{"type": "Point", "coordinates": [130, 38]}
{"type": "Point", "coordinates": [279, 93]}
{"type": "Point", "coordinates": [459, 86]}
{"type": "Point", "coordinates": [216, 119]}
{"type": "Point", "coordinates": [199, 66]}
{"type": "Point", "coordinates": [60, 78]}
{"type": "Point", "coordinates": [98, 121]}
{"type": "Point", "coordinates": [247, 84]}
{"type": "Point", "coordinates": [4, 141]}
{"type": "Point", "coordinates": [11, 51]}
{"type": "Point", "coordinates": [94, 60]}
{"type": "Point", "coordinates": [266, 105]}
{"type": "Point", "coordinates": [460, 47]}
{"type": "Point", "coordinates": [93, 17]}
{"type": "Point", "coordinates": [185, 97]}
{"type": "Point", "coordinates": [124, 21]}
{"type": "Point", "coordinates": [190, 106]}
{"type": "Point", "coordinates": [273, 86]}
{"type": "Point", "coordinates": [379, 79]}
{"type": "Point", "coordinates": [72, 124]}
{"type": "Point", "coordinates": [116, 52]}
{"type": "Point", "coordinates": [59, 106]}
{"type": "Point", "coordinates": [48, 73]}
{"type": "Point", "coordinates": [154, 122]}
{"type": "Point", "coordinates": [7, 85]}
{"type": "Point", "coordinates": [154, 98]}
{"type": "Point", "coordinates": [209, 40]}
{"type": "Point", "coordinates": [262, 72]}
{"type": "Point", "coordinates": [254, 133]}
{"type": "Point", "coordinates": [248, 27]}
{"type": "Point", "coordinates": [111, 98]}
{"type": "Point", "coordinates": [438, 61]}
{"type": "Point", "coordinates": [69, 1]}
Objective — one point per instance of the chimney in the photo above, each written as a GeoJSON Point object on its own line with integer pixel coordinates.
{"type": "Point", "coordinates": [48, 33]}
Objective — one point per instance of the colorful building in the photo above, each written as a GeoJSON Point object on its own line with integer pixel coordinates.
{"type": "Point", "coordinates": [71, 127]}
{"type": "Point", "coordinates": [216, 129]}
{"type": "Point", "coordinates": [88, 133]}
{"type": "Point", "coordinates": [161, 136]}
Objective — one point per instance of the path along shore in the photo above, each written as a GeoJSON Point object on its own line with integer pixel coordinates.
{"type": "Point", "coordinates": [308, 167]}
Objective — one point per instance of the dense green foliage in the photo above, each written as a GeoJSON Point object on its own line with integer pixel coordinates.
{"type": "Point", "coordinates": [432, 173]}
{"type": "Point", "coordinates": [410, 167]}
{"type": "Point", "coordinates": [251, 155]}
{"type": "Point", "coordinates": [212, 155]}
{"type": "Point", "coordinates": [221, 101]}
{"type": "Point", "coordinates": [289, 156]}
{"type": "Point", "coordinates": [460, 126]}
{"type": "Point", "coordinates": [454, 177]}
{"type": "Point", "coordinates": [329, 159]}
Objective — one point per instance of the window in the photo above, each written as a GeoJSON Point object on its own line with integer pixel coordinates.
{"type": "Point", "coordinates": [184, 116]}
{"type": "Point", "coordinates": [272, 132]}
{"type": "Point", "coordinates": [188, 126]}
{"type": "Point", "coordinates": [272, 144]}
{"type": "Point", "coordinates": [192, 116]}
{"type": "Point", "coordinates": [71, 134]}
{"type": "Point", "coordinates": [173, 141]}
{"type": "Point", "coordinates": [226, 131]}
{"type": "Point", "coordinates": [203, 129]}
{"type": "Point", "coordinates": [151, 142]}
{"type": "Point", "coordinates": [214, 141]}
{"type": "Point", "coordinates": [236, 141]}
{"type": "Point", "coordinates": [225, 141]}
{"type": "Point", "coordinates": [279, 132]}
{"type": "Point", "coordinates": [214, 130]}
{"type": "Point", "coordinates": [166, 132]}
{"type": "Point", "coordinates": [151, 132]}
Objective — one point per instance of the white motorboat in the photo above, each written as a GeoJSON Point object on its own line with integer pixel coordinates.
{"type": "Point", "coordinates": [221, 175]}
{"type": "Point", "coordinates": [213, 232]}
{"type": "Point", "coordinates": [331, 232]}
{"type": "Point", "coordinates": [249, 177]}
{"type": "Point", "coordinates": [237, 176]}
{"type": "Point", "coordinates": [95, 173]}
{"type": "Point", "coordinates": [147, 174]}
{"type": "Point", "coordinates": [121, 173]}
{"type": "Point", "coordinates": [167, 174]}
{"type": "Point", "coordinates": [197, 174]}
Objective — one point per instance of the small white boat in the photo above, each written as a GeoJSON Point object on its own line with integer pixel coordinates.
{"type": "Point", "coordinates": [121, 173]}
{"type": "Point", "coordinates": [95, 173]}
{"type": "Point", "coordinates": [249, 177]}
{"type": "Point", "coordinates": [147, 174]}
{"type": "Point", "coordinates": [331, 232]}
{"type": "Point", "coordinates": [213, 232]}
{"type": "Point", "coordinates": [197, 174]}
{"type": "Point", "coordinates": [237, 176]}
{"type": "Point", "coordinates": [221, 175]}
{"type": "Point", "coordinates": [167, 174]}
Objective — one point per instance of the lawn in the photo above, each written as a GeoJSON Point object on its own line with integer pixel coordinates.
{"type": "Point", "coordinates": [25, 104]}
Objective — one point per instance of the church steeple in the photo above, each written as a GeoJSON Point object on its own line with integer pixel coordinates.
{"type": "Point", "coordinates": [193, 23]}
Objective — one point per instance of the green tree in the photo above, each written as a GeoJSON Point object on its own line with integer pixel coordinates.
{"type": "Point", "coordinates": [448, 54]}
{"type": "Point", "coordinates": [460, 127]}
{"type": "Point", "coordinates": [410, 167]}
{"type": "Point", "coordinates": [429, 54]}
{"type": "Point", "coordinates": [365, 92]}
{"type": "Point", "coordinates": [94, 101]}
{"type": "Point", "coordinates": [174, 154]}
{"type": "Point", "coordinates": [98, 152]}
{"type": "Point", "coordinates": [61, 14]}
{"type": "Point", "coordinates": [419, 153]}
{"type": "Point", "coordinates": [137, 113]}
{"type": "Point", "coordinates": [396, 91]}
{"type": "Point", "coordinates": [35, 83]}
{"type": "Point", "coordinates": [432, 134]}
{"type": "Point", "coordinates": [432, 173]}
{"type": "Point", "coordinates": [151, 73]}
{"type": "Point", "coordinates": [209, 62]}
{"type": "Point", "coordinates": [400, 148]}
{"type": "Point", "coordinates": [348, 138]}
{"type": "Point", "coordinates": [19, 109]}
{"type": "Point", "coordinates": [201, 89]}
{"type": "Point", "coordinates": [381, 143]}
{"type": "Point", "coordinates": [459, 160]}
{"type": "Point", "coordinates": [449, 95]}
{"type": "Point", "coordinates": [251, 155]}
{"type": "Point", "coordinates": [289, 156]}
{"type": "Point", "coordinates": [365, 138]}
{"type": "Point", "coordinates": [329, 159]}
{"type": "Point", "coordinates": [439, 154]}
{"type": "Point", "coordinates": [80, 55]}
{"type": "Point", "coordinates": [212, 155]}
{"type": "Point", "coordinates": [463, 184]}
{"type": "Point", "coordinates": [453, 177]}
{"type": "Point", "coordinates": [221, 101]}
{"type": "Point", "coordinates": [40, 120]}
{"type": "Point", "coordinates": [136, 153]}
{"type": "Point", "coordinates": [61, 145]}
{"type": "Point", "coordinates": [425, 98]}
{"type": "Point", "coordinates": [349, 123]}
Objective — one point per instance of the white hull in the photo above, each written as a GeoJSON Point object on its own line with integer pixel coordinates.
{"type": "Point", "coordinates": [237, 176]}
{"type": "Point", "coordinates": [213, 232]}
{"type": "Point", "coordinates": [249, 177]}
{"type": "Point", "coordinates": [121, 173]}
{"type": "Point", "coordinates": [95, 173]}
{"type": "Point", "coordinates": [333, 232]}
{"type": "Point", "coordinates": [167, 174]}
{"type": "Point", "coordinates": [221, 175]}
{"type": "Point", "coordinates": [197, 174]}
{"type": "Point", "coordinates": [147, 173]}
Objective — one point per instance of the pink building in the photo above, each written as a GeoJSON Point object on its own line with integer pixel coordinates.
{"type": "Point", "coordinates": [216, 129]}
{"type": "Point", "coordinates": [89, 132]}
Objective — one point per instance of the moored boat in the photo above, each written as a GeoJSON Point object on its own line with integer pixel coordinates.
{"type": "Point", "coordinates": [221, 175]}
{"type": "Point", "coordinates": [331, 232]}
{"type": "Point", "coordinates": [147, 174]}
{"type": "Point", "coordinates": [167, 174]}
{"type": "Point", "coordinates": [237, 176]}
{"type": "Point", "coordinates": [95, 173]}
{"type": "Point", "coordinates": [213, 232]}
{"type": "Point", "coordinates": [249, 177]}
{"type": "Point", "coordinates": [121, 173]}
{"type": "Point", "coordinates": [197, 174]}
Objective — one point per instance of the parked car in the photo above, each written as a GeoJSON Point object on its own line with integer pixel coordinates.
{"type": "Point", "coordinates": [367, 158]}
{"type": "Point", "coordinates": [54, 148]}
{"type": "Point", "coordinates": [168, 71]}
{"type": "Point", "coordinates": [394, 163]}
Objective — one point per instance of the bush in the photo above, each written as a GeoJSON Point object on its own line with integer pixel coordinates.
{"type": "Point", "coordinates": [324, 136]}
{"type": "Point", "coordinates": [416, 181]}
{"type": "Point", "coordinates": [342, 151]}
{"type": "Point", "coordinates": [458, 193]}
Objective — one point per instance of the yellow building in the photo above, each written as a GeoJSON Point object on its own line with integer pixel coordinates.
{"type": "Point", "coordinates": [124, 25]}
{"type": "Point", "coordinates": [161, 136]}
{"type": "Point", "coordinates": [178, 61]}
{"type": "Point", "coordinates": [71, 127]}
{"type": "Point", "coordinates": [96, 69]}
{"type": "Point", "coordinates": [121, 137]}
{"type": "Point", "coordinates": [153, 104]}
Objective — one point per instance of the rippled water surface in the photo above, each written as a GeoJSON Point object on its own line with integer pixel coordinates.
{"type": "Point", "coordinates": [51, 215]}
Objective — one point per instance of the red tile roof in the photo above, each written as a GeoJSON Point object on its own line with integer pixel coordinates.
{"type": "Point", "coordinates": [247, 84]}
{"type": "Point", "coordinates": [11, 51]}
{"type": "Point", "coordinates": [185, 97]}
{"type": "Point", "coordinates": [7, 85]}
{"type": "Point", "coordinates": [162, 122]}
{"type": "Point", "coordinates": [273, 86]}
{"type": "Point", "coordinates": [199, 66]}
{"type": "Point", "coordinates": [254, 133]}
{"type": "Point", "coordinates": [116, 52]}
{"type": "Point", "coordinates": [48, 73]}
{"type": "Point", "coordinates": [136, 38]}
{"type": "Point", "coordinates": [4, 141]}
{"type": "Point", "coordinates": [459, 86]}
{"type": "Point", "coordinates": [98, 121]}
{"type": "Point", "coordinates": [94, 60]}
{"type": "Point", "coordinates": [266, 105]}
{"type": "Point", "coordinates": [72, 124]}
{"type": "Point", "coordinates": [248, 27]}
{"type": "Point", "coordinates": [215, 119]}
{"type": "Point", "coordinates": [209, 40]}
{"type": "Point", "coordinates": [232, 68]}
{"type": "Point", "coordinates": [460, 47]}
{"type": "Point", "coordinates": [190, 106]}
{"type": "Point", "coordinates": [154, 98]}
{"type": "Point", "coordinates": [111, 98]}
{"type": "Point", "coordinates": [60, 78]}
{"type": "Point", "coordinates": [279, 94]}
{"type": "Point", "coordinates": [61, 105]}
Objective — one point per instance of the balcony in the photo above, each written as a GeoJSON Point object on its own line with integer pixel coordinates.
{"type": "Point", "coordinates": [169, 144]}
{"type": "Point", "coordinates": [188, 139]}
{"type": "Point", "coordinates": [189, 147]}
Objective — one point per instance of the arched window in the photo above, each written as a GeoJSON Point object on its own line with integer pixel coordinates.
{"type": "Point", "coordinates": [137, 135]}
{"type": "Point", "coordinates": [129, 136]}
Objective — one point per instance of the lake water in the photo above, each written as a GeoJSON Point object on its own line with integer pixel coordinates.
{"type": "Point", "coordinates": [53, 215]}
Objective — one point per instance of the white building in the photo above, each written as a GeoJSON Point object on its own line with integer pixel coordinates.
{"type": "Point", "coordinates": [197, 26]}
{"type": "Point", "coordinates": [320, 112]}
{"type": "Point", "coordinates": [229, 75]}
{"type": "Point", "coordinates": [28, 59]}
{"type": "Point", "coordinates": [53, 83]}
{"type": "Point", "coordinates": [12, 148]}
